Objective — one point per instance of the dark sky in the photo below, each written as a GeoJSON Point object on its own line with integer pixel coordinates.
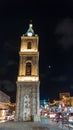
{"type": "Point", "coordinates": [53, 22]}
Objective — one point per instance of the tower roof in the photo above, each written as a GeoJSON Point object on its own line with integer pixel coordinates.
{"type": "Point", "coordinates": [30, 31]}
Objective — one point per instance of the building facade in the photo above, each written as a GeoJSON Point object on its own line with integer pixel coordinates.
{"type": "Point", "coordinates": [4, 97]}
{"type": "Point", "coordinates": [63, 95]}
{"type": "Point", "coordinates": [27, 97]}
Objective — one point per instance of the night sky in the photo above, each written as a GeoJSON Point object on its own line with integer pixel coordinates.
{"type": "Point", "coordinates": [53, 22]}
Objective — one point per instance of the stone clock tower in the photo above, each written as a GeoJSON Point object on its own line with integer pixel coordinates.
{"type": "Point", "coordinates": [27, 97]}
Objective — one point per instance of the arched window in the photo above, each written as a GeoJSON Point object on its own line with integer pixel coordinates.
{"type": "Point", "coordinates": [29, 45]}
{"type": "Point", "coordinates": [28, 68]}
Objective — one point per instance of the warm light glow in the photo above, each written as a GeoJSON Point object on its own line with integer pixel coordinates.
{"type": "Point", "coordinates": [28, 78]}
{"type": "Point", "coordinates": [30, 25]}
{"type": "Point", "coordinates": [46, 106]}
{"type": "Point", "coordinates": [28, 50]}
{"type": "Point", "coordinates": [3, 112]}
{"type": "Point", "coordinates": [52, 115]}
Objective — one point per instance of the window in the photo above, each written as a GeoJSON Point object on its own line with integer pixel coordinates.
{"type": "Point", "coordinates": [28, 68]}
{"type": "Point", "coordinates": [29, 45]}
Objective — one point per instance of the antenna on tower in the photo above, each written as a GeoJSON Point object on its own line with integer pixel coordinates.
{"type": "Point", "coordinates": [30, 24]}
{"type": "Point", "coordinates": [30, 21]}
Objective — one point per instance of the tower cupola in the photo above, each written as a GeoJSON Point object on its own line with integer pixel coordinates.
{"type": "Point", "coordinates": [30, 31]}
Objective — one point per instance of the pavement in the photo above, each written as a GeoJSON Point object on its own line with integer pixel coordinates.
{"type": "Point", "coordinates": [23, 126]}
{"type": "Point", "coordinates": [43, 125]}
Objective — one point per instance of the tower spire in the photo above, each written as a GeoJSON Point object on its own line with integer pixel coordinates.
{"type": "Point", "coordinates": [30, 31]}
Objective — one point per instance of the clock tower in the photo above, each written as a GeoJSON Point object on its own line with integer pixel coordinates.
{"type": "Point", "coordinates": [27, 97]}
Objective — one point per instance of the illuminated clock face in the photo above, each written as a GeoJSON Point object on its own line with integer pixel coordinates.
{"type": "Point", "coordinates": [29, 34]}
